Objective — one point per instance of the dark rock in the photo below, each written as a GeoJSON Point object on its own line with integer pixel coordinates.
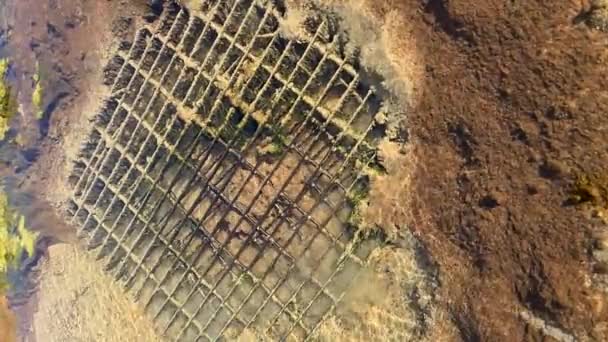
{"type": "Point", "coordinates": [552, 169]}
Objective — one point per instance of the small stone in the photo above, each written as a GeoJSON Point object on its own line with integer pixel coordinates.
{"type": "Point", "coordinates": [553, 169]}
{"type": "Point", "coordinates": [488, 202]}
{"type": "Point", "coordinates": [601, 241]}
{"type": "Point", "coordinates": [600, 267]}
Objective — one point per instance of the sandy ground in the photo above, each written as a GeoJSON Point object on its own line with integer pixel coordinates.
{"type": "Point", "coordinates": [79, 302]}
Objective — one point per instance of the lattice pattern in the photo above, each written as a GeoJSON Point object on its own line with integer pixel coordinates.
{"type": "Point", "coordinates": [221, 177]}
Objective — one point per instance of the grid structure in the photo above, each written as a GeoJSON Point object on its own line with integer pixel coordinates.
{"type": "Point", "coordinates": [221, 179]}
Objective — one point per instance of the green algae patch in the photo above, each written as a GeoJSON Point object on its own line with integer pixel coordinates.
{"type": "Point", "coordinates": [38, 94]}
{"type": "Point", "coordinates": [15, 239]}
{"type": "Point", "coordinates": [8, 103]}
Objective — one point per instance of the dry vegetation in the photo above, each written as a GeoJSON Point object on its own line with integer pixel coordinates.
{"type": "Point", "coordinates": [598, 15]}
{"type": "Point", "coordinates": [591, 193]}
